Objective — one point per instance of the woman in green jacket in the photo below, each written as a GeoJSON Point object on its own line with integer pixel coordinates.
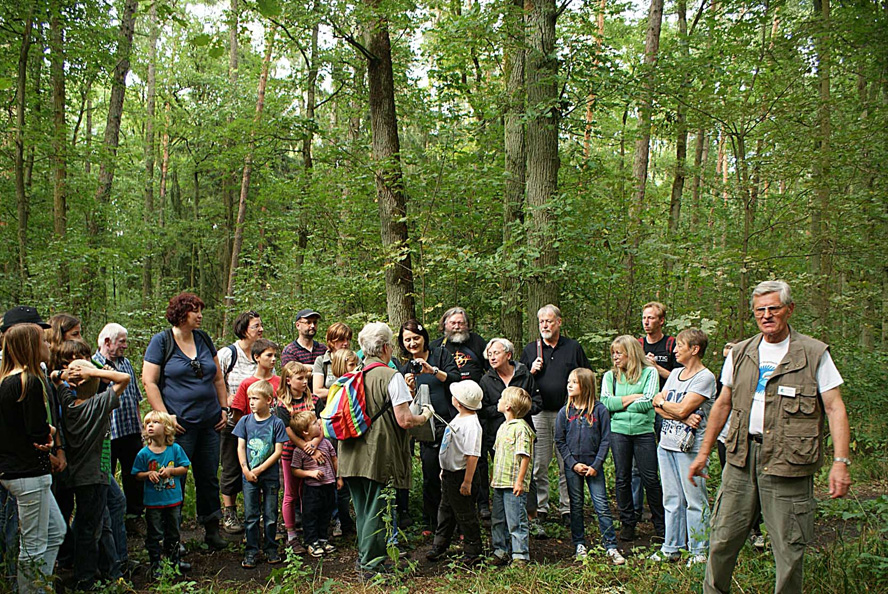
{"type": "Point", "coordinates": [626, 391]}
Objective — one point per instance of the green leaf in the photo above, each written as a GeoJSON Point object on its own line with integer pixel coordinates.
{"type": "Point", "coordinates": [201, 40]}
{"type": "Point", "coordinates": [268, 8]}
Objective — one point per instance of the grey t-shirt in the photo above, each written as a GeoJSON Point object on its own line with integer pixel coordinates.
{"type": "Point", "coordinates": [702, 383]}
{"type": "Point", "coordinates": [88, 427]}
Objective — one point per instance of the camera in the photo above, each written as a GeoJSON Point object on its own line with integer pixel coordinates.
{"type": "Point", "coordinates": [414, 367]}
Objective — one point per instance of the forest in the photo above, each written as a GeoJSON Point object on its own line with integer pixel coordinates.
{"type": "Point", "coordinates": [389, 159]}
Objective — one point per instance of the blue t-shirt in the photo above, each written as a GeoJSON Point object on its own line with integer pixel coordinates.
{"type": "Point", "coordinates": [166, 492]}
{"type": "Point", "coordinates": [261, 436]}
{"type": "Point", "coordinates": [191, 399]}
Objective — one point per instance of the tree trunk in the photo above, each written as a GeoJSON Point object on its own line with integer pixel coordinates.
{"type": "Point", "coordinates": [516, 168]}
{"type": "Point", "coordinates": [150, 110]}
{"type": "Point", "coordinates": [245, 179]}
{"type": "Point", "coordinates": [542, 156]}
{"type": "Point", "coordinates": [21, 195]}
{"type": "Point", "coordinates": [820, 233]}
{"type": "Point", "coordinates": [386, 155]}
{"type": "Point", "coordinates": [590, 99]}
{"type": "Point", "coordinates": [115, 114]}
{"type": "Point", "coordinates": [681, 152]}
{"type": "Point", "coordinates": [230, 185]}
{"type": "Point", "coordinates": [60, 133]}
{"type": "Point", "coordinates": [643, 142]}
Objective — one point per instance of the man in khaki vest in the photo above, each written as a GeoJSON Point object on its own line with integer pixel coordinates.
{"type": "Point", "coordinates": [777, 387]}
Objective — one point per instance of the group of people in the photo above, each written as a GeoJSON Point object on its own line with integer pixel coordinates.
{"type": "Point", "coordinates": [71, 415]}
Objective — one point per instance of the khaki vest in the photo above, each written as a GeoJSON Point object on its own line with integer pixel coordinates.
{"type": "Point", "coordinates": [383, 453]}
{"type": "Point", "coordinates": [793, 425]}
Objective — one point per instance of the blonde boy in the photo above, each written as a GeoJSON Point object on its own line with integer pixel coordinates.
{"type": "Point", "coordinates": [513, 453]}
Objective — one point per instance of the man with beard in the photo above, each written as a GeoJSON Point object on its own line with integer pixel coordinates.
{"type": "Point", "coordinates": [304, 349]}
{"type": "Point", "coordinates": [466, 347]}
{"type": "Point", "coordinates": [550, 359]}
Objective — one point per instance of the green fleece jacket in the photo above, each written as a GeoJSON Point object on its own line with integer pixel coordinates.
{"type": "Point", "coordinates": [638, 417]}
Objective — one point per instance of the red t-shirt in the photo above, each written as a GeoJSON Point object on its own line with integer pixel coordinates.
{"type": "Point", "coordinates": [240, 398]}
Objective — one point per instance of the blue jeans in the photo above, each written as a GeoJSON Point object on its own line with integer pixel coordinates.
{"type": "Point", "coordinates": [162, 526]}
{"type": "Point", "coordinates": [42, 530]}
{"type": "Point", "coordinates": [261, 497]}
{"type": "Point", "coordinates": [598, 491]}
{"type": "Point", "coordinates": [508, 524]}
{"type": "Point", "coordinates": [202, 448]}
{"type": "Point", "coordinates": [686, 505]}
{"type": "Point", "coordinates": [643, 450]}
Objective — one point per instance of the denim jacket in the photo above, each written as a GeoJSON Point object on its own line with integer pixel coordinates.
{"type": "Point", "coordinates": [583, 441]}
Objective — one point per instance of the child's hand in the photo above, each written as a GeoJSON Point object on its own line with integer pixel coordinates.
{"type": "Point", "coordinates": [317, 474]}
{"type": "Point", "coordinates": [581, 469]}
{"type": "Point", "coordinates": [153, 476]}
{"type": "Point", "coordinates": [164, 472]}
{"type": "Point", "coordinates": [340, 483]}
{"type": "Point", "coordinates": [250, 475]}
{"type": "Point", "coordinates": [465, 488]}
{"type": "Point", "coordinates": [518, 489]}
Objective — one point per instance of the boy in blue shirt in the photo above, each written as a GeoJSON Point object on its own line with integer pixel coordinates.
{"type": "Point", "coordinates": [162, 464]}
{"type": "Point", "coordinates": [260, 442]}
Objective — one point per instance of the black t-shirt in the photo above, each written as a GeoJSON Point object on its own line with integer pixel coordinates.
{"type": "Point", "coordinates": [664, 351]}
{"type": "Point", "coordinates": [558, 362]}
{"type": "Point", "coordinates": [469, 356]}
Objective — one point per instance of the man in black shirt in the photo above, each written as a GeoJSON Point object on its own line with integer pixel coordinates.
{"type": "Point", "coordinates": [550, 359]}
{"type": "Point", "coordinates": [658, 347]}
{"type": "Point", "coordinates": [466, 346]}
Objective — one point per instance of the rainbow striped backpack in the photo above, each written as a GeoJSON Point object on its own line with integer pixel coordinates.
{"type": "Point", "coordinates": [345, 414]}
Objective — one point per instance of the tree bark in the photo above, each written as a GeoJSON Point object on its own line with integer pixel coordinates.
{"type": "Point", "coordinates": [115, 114]}
{"type": "Point", "coordinates": [542, 156]}
{"type": "Point", "coordinates": [245, 179]}
{"type": "Point", "coordinates": [643, 142]}
{"type": "Point", "coordinates": [60, 133]}
{"type": "Point", "coordinates": [386, 156]}
{"type": "Point", "coordinates": [516, 168]}
{"type": "Point", "coordinates": [820, 232]}
{"type": "Point", "coordinates": [21, 196]}
{"type": "Point", "coordinates": [150, 109]}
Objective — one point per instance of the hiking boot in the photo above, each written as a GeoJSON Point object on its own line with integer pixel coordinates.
{"type": "Point", "coordinates": [498, 560]}
{"type": "Point", "coordinates": [436, 553]}
{"type": "Point", "coordinates": [212, 538]}
{"type": "Point", "coordinates": [230, 523]}
{"type": "Point", "coordinates": [615, 557]}
{"type": "Point", "coordinates": [627, 532]}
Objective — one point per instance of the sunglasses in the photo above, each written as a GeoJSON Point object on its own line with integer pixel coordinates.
{"type": "Point", "coordinates": [196, 368]}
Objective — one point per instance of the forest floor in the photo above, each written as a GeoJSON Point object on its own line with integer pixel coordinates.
{"type": "Point", "coordinates": [222, 572]}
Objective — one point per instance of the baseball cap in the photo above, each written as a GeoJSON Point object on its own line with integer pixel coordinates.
{"type": "Point", "coordinates": [22, 314]}
{"type": "Point", "coordinates": [307, 313]}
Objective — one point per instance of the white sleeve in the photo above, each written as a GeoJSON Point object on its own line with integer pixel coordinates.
{"type": "Point", "coordinates": [224, 355]}
{"type": "Point", "coordinates": [727, 376]}
{"type": "Point", "coordinates": [828, 376]}
{"type": "Point", "coordinates": [398, 390]}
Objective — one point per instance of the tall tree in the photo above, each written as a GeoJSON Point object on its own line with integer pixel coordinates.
{"type": "Point", "coordinates": [21, 194]}
{"type": "Point", "coordinates": [386, 155]}
{"type": "Point", "coordinates": [150, 109]}
{"type": "Point", "coordinates": [59, 129]}
{"type": "Point", "coordinates": [681, 147]}
{"type": "Point", "coordinates": [115, 113]}
{"type": "Point", "coordinates": [542, 155]}
{"type": "Point", "coordinates": [516, 168]}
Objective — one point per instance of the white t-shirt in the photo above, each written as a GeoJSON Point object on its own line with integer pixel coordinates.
{"type": "Point", "coordinates": [243, 368]}
{"type": "Point", "coordinates": [462, 438]}
{"type": "Point", "coordinates": [770, 356]}
{"type": "Point", "coordinates": [398, 390]}
{"type": "Point", "coordinates": [702, 383]}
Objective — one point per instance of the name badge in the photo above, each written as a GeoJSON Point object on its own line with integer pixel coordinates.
{"type": "Point", "coordinates": [786, 391]}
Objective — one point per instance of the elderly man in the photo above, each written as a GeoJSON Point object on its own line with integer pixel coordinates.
{"type": "Point", "coordinates": [550, 359]}
{"type": "Point", "coordinates": [778, 385]}
{"type": "Point", "coordinates": [382, 455]}
{"type": "Point", "coordinates": [126, 422]}
{"type": "Point", "coordinates": [305, 348]}
{"type": "Point", "coordinates": [466, 346]}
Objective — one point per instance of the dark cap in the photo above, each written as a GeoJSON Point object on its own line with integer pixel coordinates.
{"type": "Point", "coordinates": [22, 314]}
{"type": "Point", "coordinates": [307, 313]}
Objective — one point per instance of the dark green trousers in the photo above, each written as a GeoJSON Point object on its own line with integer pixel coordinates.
{"type": "Point", "coordinates": [369, 508]}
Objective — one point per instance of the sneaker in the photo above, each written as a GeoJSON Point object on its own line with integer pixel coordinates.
{"type": "Point", "coordinates": [296, 546]}
{"type": "Point", "coordinates": [316, 550]}
{"type": "Point", "coordinates": [230, 523]}
{"type": "Point", "coordinates": [499, 560]}
{"type": "Point", "coordinates": [758, 542]}
{"type": "Point", "coordinates": [272, 557]}
{"type": "Point", "coordinates": [660, 557]}
{"type": "Point", "coordinates": [537, 530]}
{"type": "Point", "coordinates": [696, 559]}
{"type": "Point", "coordinates": [249, 562]}
{"type": "Point", "coordinates": [436, 552]}
{"type": "Point", "coordinates": [627, 532]}
{"type": "Point", "coordinates": [581, 552]}
{"type": "Point", "coordinates": [615, 557]}
{"type": "Point", "coordinates": [328, 548]}
{"type": "Point", "coordinates": [337, 528]}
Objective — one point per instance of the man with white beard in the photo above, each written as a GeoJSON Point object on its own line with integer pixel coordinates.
{"type": "Point", "coordinates": [466, 346]}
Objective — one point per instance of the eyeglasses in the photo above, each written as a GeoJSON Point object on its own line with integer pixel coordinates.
{"type": "Point", "coordinates": [196, 368]}
{"type": "Point", "coordinates": [760, 312]}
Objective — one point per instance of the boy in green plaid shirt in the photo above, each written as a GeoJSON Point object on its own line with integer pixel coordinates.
{"type": "Point", "coordinates": [512, 461]}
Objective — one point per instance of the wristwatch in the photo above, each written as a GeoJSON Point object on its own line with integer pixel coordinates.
{"type": "Point", "coordinates": [435, 371]}
{"type": "Point", "coordinates": [845, 461]}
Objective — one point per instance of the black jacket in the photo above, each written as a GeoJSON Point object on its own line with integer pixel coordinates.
{"type": "Point", "coordinates": [492, 386]}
